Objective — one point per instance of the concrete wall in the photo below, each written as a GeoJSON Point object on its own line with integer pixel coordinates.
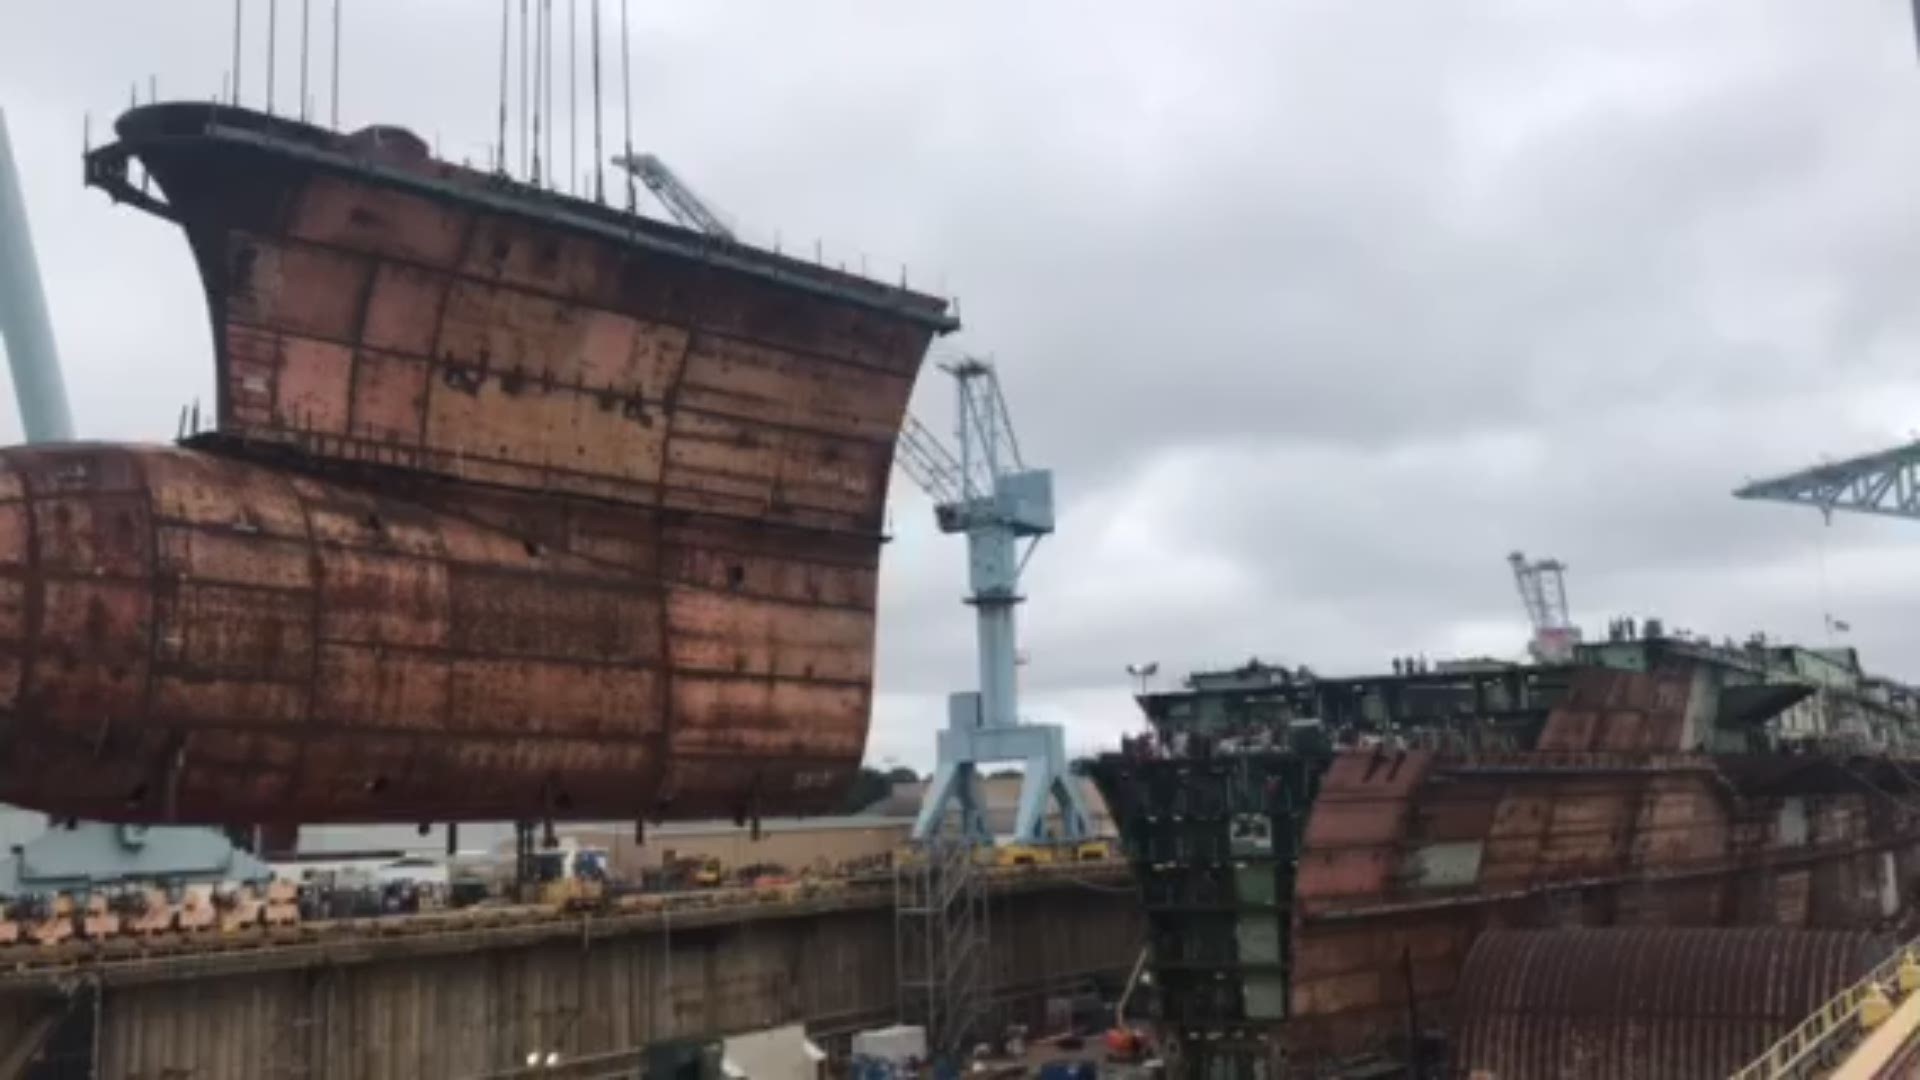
{"type": "Point", "coordinates": [482, 1011]}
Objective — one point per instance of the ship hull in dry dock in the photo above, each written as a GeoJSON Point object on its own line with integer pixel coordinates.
{"type": "Point", "coordinates": [512, 506]}
{"type": "Point", "coordinates": [1305, 908]}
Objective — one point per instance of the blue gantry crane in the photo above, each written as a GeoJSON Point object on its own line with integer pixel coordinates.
{"type": "Point", "coordinates": [987, 493]}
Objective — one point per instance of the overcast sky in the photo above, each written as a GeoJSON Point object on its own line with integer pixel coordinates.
{"type": "Point", "coordinates": [1317, 308]}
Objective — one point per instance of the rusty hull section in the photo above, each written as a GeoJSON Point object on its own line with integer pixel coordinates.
{"type": "Point", "coordinates": [1312, 905]}
{"type": "Point", "coordinates": [1410, 857]}
{"type": "Point", "coordinates": [373, 305]}
{"type": "Point", "coordinates": [514, 507]}
{"type": "Point", "coordinates": [1645, 1003]}
{"type": "Point", "coordinates": [191, 638]}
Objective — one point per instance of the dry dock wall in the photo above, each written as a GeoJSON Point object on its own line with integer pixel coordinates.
{"type": "Point", "coordinates": [393, 1009]}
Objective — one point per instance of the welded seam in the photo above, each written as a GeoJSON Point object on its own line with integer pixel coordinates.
{"type": "Point", "coordinates": [152, 673]}
{"type": "Point", "coordinates": [316, 575]}
{"type": "Point", "coordinates": [34, 601]}
{"type": "Point", "coordinates": [651, 316]}
{"type": "Point", "coordinates": [452, 276]}
{"type": "Point", "coordinates": [372, 262]}
{"type": "Point", "coordinates": [669, 414]}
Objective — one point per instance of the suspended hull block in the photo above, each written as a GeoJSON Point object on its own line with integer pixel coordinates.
{"type": "Point", "coordinates": [192, 638]}
{"type": "Point", "coordinates": [512, 507]}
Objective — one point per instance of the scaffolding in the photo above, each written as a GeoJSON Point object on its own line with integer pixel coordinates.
{"type": "Point", "coordinates": [941, 934]}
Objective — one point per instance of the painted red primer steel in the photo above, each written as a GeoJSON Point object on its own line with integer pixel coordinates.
{"type": "Point", "coordinates": [1644, 1003]}
{"type": "Point", "coordinates": [499, 519]}
{"type": "Point", "coordinates": [1634, 839]}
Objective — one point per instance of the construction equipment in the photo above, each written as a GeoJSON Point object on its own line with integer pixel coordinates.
{"type": "Point", "coordinates": [240, 909]}
{"type": "Point", "coordinates": [1024, 855]}
{"type": "Point", "coordinates": [49, 920]}
{"type": "Point", "coordinates": [196, 911]}
{"type": "Point", "coordinates": [686, 207]}
{"type": "Point", "coordinates": [102, 919]}
{"type": "Point", "coordinates": [571, 877]}
{"type": "Point", "coordinates": [1093, 851]}
{"type": "Point", "coordinates": [148, 912]}
{"type": "Point", "coordinates": [1886, 483]}
{"type": "Point", "coordinates": [988, 493]}
{"type": "Point", "coordinates": [1125, 1044]}
{"type": "Point", "coordinates": [1543, 591]}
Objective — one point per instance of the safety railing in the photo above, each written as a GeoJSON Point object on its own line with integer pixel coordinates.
{"type": "Point", "coordinates": [1819, 1041]}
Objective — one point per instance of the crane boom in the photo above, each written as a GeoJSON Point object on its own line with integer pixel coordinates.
{"type": "Point", "coordinates": [686, 207]}
{"type": "Point", "coordinates": [928, 463]}
{"type": "Point", "coordinates": [1886, 483]}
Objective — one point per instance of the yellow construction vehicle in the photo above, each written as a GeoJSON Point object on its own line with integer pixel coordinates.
{"type": "Point", "coordinates": [1093, 851]}
{"type": "Point", "coordinates": [1025, 855]}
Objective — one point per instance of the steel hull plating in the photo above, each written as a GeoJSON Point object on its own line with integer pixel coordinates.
{"type": "Point", "coordinates": [1306, 907]}
{"type": "Point", "coordinates": [513, 507]}
{"type": "Point", "coordinates": [199, 639]}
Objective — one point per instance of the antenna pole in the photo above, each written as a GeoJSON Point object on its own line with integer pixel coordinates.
{"type": "Point", "coordinates": [336, 64]}
{"type": "Point", "coordinates": [273, 31]}
{"type": "Point", "coordinates": [546, 21]}
{"type": "Point", "coordinates": [306, 35]}
{"type": "Point", "coordinates": [573, 95]}
{"type": "Point", "coordinates": [500, 151]}
{"type": "Point", "coordinates": [599, 185]}
{"type": "Point", "coordinates": [236, 51]}
{"type": "Point", "coordinates": [626, 81]}
{"type": "Point", "coordinates": [539, 68]}
{"type": "Point", "coordinates": [525, 147]}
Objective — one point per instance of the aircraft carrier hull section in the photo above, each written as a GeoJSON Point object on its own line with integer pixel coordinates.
{"type": "Point", "coordinates": [511, 506]}
{"type": "Point", "coordinates": [1314, 909]}
{"type": "Point", "coordinates": [196, 638]}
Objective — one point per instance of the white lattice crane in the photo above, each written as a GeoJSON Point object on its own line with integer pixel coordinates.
{"type": "Point", "coordinates": [987, 492]}
{"type": "Point", "coordinates": [1543, 591]}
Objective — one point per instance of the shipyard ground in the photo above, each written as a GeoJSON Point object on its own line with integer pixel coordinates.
{"type": "Point", "coordinates": [473, 994]}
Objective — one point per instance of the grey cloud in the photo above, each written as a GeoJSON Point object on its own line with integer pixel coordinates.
{"type": "Point", "coordinates": [1317, 307]}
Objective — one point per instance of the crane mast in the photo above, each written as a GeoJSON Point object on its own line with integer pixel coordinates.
{"type": "Point", "coordinates": [987, 493]}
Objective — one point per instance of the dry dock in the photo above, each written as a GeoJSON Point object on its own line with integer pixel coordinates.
{"type": "Point", "coordinates": [472, 995]}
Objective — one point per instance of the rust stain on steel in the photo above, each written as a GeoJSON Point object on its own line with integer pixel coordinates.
{"type": "Point", "coordinates": [1621, 711]}
{"type": "Point", "coordinates": [513, 507]}
{"type": "Point", "coordinates": [480, 343]}
{"type": "Point", "coordinates": [1644, 1004]}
